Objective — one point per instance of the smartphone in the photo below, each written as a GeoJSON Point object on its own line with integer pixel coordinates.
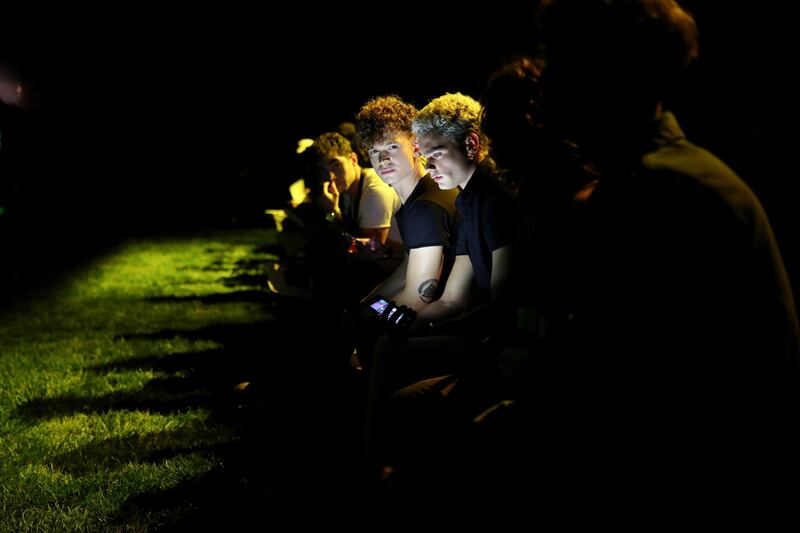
{"type": "Point", "coordinates": [379, 306]}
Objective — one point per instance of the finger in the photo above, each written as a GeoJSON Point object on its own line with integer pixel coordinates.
{"type": "Point", "coordinates": [387, 311]}
{"type": "Point", "coordinates": [402, 321]}
{"type": "Point", "coordinates": [405, 317]}
{"type": "Point", "coordinates": [398, 315]}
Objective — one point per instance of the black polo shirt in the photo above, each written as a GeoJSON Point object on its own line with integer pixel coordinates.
{"type": "Point", "coordinates": [488, 213]}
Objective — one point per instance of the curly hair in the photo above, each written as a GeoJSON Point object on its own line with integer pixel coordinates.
{"type": "Point", "coordinates": [453, 116]}
{"type": "Point", "coordinates": [381, 116]}
{"type": "Point", "coordinates": [332, 142]}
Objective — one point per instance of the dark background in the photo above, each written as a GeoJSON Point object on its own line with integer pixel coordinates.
{"type": "Point", "coordinates": [142, 119]}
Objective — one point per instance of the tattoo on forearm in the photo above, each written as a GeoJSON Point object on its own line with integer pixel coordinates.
{"type": "Point", "coordinates": [427, 290]}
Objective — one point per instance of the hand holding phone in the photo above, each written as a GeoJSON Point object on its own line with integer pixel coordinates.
{"type": "Point", "coordinates": [397, 318]}
{"type": "Point", "coordinates": [380, 305]}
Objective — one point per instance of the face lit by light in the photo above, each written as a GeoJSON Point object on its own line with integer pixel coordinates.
{"type": "Point", "coordinates": [342, 169]}
{"type": "Point", "coordinates": [447, 163]}
{"type": "Point", "coordinates": [393, 157]}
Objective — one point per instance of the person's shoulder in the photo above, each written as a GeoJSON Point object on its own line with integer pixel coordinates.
{"type": "Point", "coordinates": [373, 183]}
{"type": "Point", "coordinates": [489, 185]}
{"type": "Point", "coordinates": [493, 186]}
{"type": "Point", "coordinates": [692, 171]}
{"type": "Point", "coordinates": [425, 208]}
{"type": "Point", "coordinates": [371, 178]}
{"type": "Point", "coordinates": [672, 153]}
{"type": "Point", "coordinates": [432, 193]}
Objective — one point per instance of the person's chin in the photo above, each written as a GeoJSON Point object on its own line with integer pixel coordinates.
{"type": "Point", "coordinates": [444, 184]}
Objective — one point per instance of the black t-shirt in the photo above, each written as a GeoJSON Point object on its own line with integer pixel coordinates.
{"type": "Point", "coordinates": [488, 221]}
{"type": "Point", "coordinates": [427, 218]}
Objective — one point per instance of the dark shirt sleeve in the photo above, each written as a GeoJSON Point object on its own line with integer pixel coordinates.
{"type": "Point", "coordinates": [428, 225]}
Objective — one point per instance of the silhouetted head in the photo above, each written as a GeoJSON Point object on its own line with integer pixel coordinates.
{"type": "Point", "coordinates": [348, 130]}
{"type": "Point", "coordinates": [510, 116]}
{"type": "Point", "coordinates": [610, 63]}
{"type": "Point", "coordinates": [306, 166]}
{"type": "Point", "coordinates": [546, 169]}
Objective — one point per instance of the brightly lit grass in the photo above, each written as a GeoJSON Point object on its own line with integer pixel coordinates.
{"type": "Point", "coordinates": [89, 418]}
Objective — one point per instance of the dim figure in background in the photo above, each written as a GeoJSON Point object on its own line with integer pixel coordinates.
{"type": "Point", "coordinates": [671, 351]}
{"type": "Point", "coordinates": [355, 195]}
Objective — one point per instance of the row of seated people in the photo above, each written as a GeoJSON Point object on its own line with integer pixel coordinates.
{"type": "Point", "coordinates": [598, 300]}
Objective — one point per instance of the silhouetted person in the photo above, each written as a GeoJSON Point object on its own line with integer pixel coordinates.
{"type": "Point", "coordinates": [348, 130]}
{"type": "Point", "coordinates": [671, 345]}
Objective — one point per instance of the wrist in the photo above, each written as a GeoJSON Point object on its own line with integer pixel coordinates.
{"type": "Point", "coordinates": [334, 214]}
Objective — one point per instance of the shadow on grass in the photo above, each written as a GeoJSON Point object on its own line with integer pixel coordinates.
{"type": "Point", "coordinates": [256, 296]}
{"type": "Point", "coordinates": [246, 338]}
{"type": "Point", "coordinates": [246, 280]}
{"type": "Point", "coordinates": [272, 254]}
{"type": "Point", "coordinates": [155, 447]}
{"type": "Point", "coordinates": [209, 268]}
{"type": "Point", "coordinates": [204, 361]}
{"type": "Point", "coordinates": [199, 379]}
{"type": "Point", "coordinates": [218, 501]}
{"type": "Point", "coordinates": [255, 352]}
{"type": "Point", "coordinates": [287, 472]}
{"type": "Point", "coordinates": [164, 395]}
{"type": "Point", "coordinates": [259, 264]}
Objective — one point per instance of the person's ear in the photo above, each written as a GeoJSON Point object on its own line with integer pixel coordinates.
{"type": "Point", "coordinates": [415, 144]}
{"type": "Point", "coordinates": [472, 144]}
{"type": "Point", "coordinates": [354, 158]}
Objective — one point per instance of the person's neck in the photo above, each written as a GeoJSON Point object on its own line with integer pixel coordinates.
{"type": "Point", "coordinates": [620, 149]}
{"type": "Point", "coordinates": [352, 190]}
{"type": "Point", "coordinates": [405, 187]}
{"type": "Point", "coordinates": [473, 168]}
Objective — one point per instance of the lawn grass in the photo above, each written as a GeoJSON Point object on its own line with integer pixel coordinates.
{"type": "Point", "coordinates": [111, 379]}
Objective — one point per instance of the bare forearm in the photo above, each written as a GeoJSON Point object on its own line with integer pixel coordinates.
{"type": "Point", "coordinates": [483, 320]}
{"type": "Point", "coordinates": [410, 298]}
{"type": "Point", "coordinates": [378, 235]}
{"type": "Point", "coordinates": [391, 285]}
{"type": "Point", "coordinates": [440, 310]}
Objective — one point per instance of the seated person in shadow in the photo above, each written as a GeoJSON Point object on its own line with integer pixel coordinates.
{"type": "Point", "coordinates": [670, 348]}
{"type": "Point", "coordinates": [341, 236]}
{"type": "Point", "coordinates": [357, 200]}
{"type": "Point", "coordinates": [353, 195]}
